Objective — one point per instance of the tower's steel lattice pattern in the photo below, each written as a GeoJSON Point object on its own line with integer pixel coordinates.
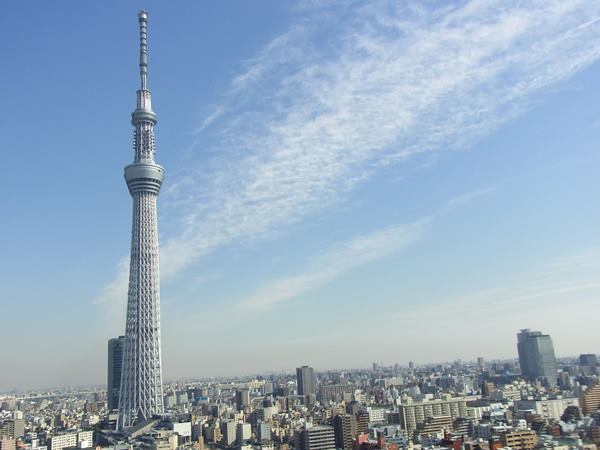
{"type": "Point", "coordinates": [141, 393]}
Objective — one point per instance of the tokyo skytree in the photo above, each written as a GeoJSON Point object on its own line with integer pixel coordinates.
{"type": "Point", "coordinates": [141, 393]}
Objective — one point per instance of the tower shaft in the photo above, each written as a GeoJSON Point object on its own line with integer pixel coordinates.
{"type": "Point", "coordinates": [141, 394]}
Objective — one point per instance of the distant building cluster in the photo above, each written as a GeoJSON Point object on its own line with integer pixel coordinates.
{"type": "Point", "coordinates": [535, 403]}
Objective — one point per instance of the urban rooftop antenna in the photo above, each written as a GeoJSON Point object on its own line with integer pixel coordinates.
{"type": "Point", "coordinates": [143, 19]}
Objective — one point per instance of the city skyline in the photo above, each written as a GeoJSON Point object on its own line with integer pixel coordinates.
{"type": "Point", "coordinates": [328, 166]}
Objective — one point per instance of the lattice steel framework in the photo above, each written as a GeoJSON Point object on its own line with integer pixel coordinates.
{"type": "Point", "coordinates": [141, 394]}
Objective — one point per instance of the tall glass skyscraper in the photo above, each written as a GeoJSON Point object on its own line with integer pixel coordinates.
{"type": "Point", "coordinates": [115, 365]}
{"type": "Point", "coordinates": [305, 376]}
{"type": "Point", "coordinates": [536, 356]}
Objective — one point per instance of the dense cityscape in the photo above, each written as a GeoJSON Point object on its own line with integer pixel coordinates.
{"type": "Point", "coordinates": [532, 402]}
{"type": "Point", "coordinates": [535, 402]}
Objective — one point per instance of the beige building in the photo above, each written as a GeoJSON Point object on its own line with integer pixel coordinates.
{"type": "Point", "coordinates": [7, 443]}
{"type": "Point", "coordinates": [412, 414]}
{"type": "Point", "coordinates": [590, 399]}
{"type": "Point", "coordinates": [519, 440]}
{"type": "Point", "coordinates": [81, 439]}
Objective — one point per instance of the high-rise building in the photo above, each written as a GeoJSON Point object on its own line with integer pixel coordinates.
{"type": "Point", "coordinates": [413, 413]}
{"type": "Point", "coordinates": [362, 421]}
{"type": "Point", "coordinates": [487, 387]}
{"type": "Point", "coordinates": [320, 437]}
{"type": "Point", "coordinates": [213, 434]}
{"type": "Point", "coordinates": [141, 393]}
{"type": "Point", "coordinates": [228, 431]}
{"type": "Point", "coordinates": [590, 399]}
{"type": "Point", "coordinates": [588, 359]}
{"type": "Point", "coordinates": [345, 430]}
{"type": "Point", "coordinates": [263, 432]}
{"type": "Point", "coordinates": [588, 364]}
{"type": "Point", "coordinates": [242, 398]}
{"type": "Point", "coordinates": [243, 433]}
{"type": "Point", "coordinates": [305, 377]}
{"type": "Point", "coordinates": [12, 428]}
{"type": "Point", "coordinates": [536, 356]}
{"type": "Point", "coordinates": [334, 392]}
{"type": "Point", "coordinates": [115, 364]}
{"type": "Point", "coordinates": [266, 388]}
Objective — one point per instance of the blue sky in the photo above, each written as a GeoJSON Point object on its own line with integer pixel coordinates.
{"type": "Point", "coordinates": [372, 181]}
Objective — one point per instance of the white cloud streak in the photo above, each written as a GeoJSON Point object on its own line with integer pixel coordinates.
{"type": "Point", "coordinates": [348, 255]}
{"type": "Point", "coordinates": [335, 261]}
{"type": "Point", "coordinates": [466, 198]}
{"type": "Point", "coordinates": [342, 93]}
{"type": "Point", "coordinates": [565, 280]}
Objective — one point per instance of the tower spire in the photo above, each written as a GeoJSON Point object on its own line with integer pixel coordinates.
{"type": "Point", "coordinates": [143, 19]}
{"type": "Point", "coordinates": [141, 393]}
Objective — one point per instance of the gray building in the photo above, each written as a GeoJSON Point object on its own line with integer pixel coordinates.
{"type": "Point", "coordinates": [12, 428]}
{"type": "Point", "coordinates": [305, 377]}
{"type": "Point", "coordinates": [536, 356]}
{"type": "Point", "coordinates": [228, 431]}
{"type": "Point", "coordinates": [115, 364]}
{"type": "Point", "coordinates": [242, 398]}
{"type": "Point", "coordinates": [588, 364]}
{"type": "Point", "coordinates": [334, 392]}
{"type": "Point", "coordinates": [588, 359]}
{"type": "Point", "coordinates": [263, 432]}
{"type": "Point", "coordinates": [345, 430]}
{"type": "Point", "coordinates": [321, 437]}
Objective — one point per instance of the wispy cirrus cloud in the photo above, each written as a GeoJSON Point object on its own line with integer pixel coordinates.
{"type": "Point", "coordinates": [349, 89]}
{"type": "Point", "coordinates": [466, 198]}
{"type": "Point", "coordinates": [347, 255]}
{"type": "Point", "coordinates": [333, 262]}
{"type": "Point", "coordinates": [565, 280]}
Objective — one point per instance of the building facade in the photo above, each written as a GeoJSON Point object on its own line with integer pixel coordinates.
{"type": "Point", "coordinates": [12, 428]}
{"type": "Point", "coordinates": [242, 398]}
{"type": "Point", "coordinates": [7, 443]}
{"type": "Point", "coordinates": [305, 377]}
{"type": "Point", "coordinates": [345, 430]}
{"type": "Point", "coordinates": [81, 439]}
{"type": "Point", "coordinates": [590, 399]}
{"type": "Point", "coordinates": [412, 414]}
{"type": "Point", "coordinates": [519, 440]}
{"type": "Point", "coordinates": [536, 357]}
{"type": "Point", "coordinates": [547, 408]}
{"type": "Point", "coordinates": [115, 365]}
{"type": "Point", "coordinates": [321, 437]}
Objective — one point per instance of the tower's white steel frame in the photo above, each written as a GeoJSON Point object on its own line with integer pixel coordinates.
{"type": "Point", "coordinates": [141, 393]}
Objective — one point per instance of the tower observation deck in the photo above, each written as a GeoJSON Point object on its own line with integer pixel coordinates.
{"type": "Point", "coordinates": [141, 393]}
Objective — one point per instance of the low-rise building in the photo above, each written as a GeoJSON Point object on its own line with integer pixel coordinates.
{"type": "Point", "coordinates": [413, 413]}
{"type": "Point", "coordinates": [519, 440]}
{"type": "Point", "coordinates": [545, 407]}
